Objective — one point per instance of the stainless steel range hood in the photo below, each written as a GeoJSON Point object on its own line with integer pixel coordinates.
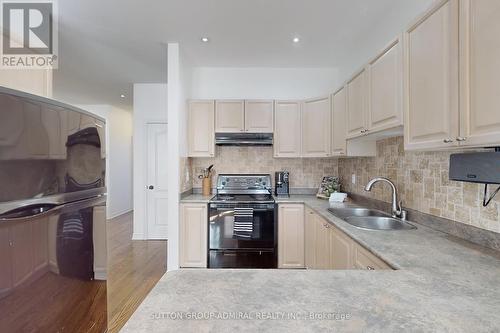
{"type": "Point", "coordinates": [244, 139]}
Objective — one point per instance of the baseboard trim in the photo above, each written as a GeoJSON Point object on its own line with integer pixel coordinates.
{"type": "Point", "coordinates": [115, 215]}
{"type": "Point", "coordinates": [137, 236]}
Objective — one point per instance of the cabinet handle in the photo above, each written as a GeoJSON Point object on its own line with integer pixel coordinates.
{"type": "Point", "coordinates": [448, 140]}
{"type": "Point", "coordinates": [370, 268]}
{"type": "Point", "coordinates": [461, 138]}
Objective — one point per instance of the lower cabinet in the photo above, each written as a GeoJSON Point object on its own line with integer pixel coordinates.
{"type": "Point", "coordinates": [291, 236]}
{"type": "Point", "coordinates": [193, 234]}
{"type": "Point", "coordinates": [326, 247]}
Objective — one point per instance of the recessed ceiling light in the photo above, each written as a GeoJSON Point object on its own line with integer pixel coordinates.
{"type": "Point", "coordinates": [205, 39]}
{"type": "Point", "coordinates": [296, 39]}
{"type": "Point", "coordinates": [122, 96]}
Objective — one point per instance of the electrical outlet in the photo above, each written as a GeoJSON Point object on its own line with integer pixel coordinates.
{"type": "Point", "coordinates": [353, 178]}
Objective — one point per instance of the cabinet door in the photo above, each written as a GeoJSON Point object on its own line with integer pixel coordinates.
{"type": "Point", "coordinates": [385, 89]}
{"type": "Point", "coordinates": [322, 243]}
{"type": "Point", "coordinates": [291, 236]}
{"type": "Point", "coordinates": [310, 238]}
{"type": "Point", "coordinates": [287, 129]}
{"type": "Point", "coordinates": [363, 259]}
{"type": "Point", "coordinates": [22, 252]}
{"type": "Point", "coordinates": [193, 235]}
{"type": "Point", "coordinates": [201, 134]}
{"type": "Point", "coordinates": [480, 73]}
{"type": "Point", "coordinates": [316, 127]}
{"type": "Point", "coordinates": [431, 79]}
{"type": "Point", "coordinates": [259, 116]}
{"type": "Point", "coordinates": [5, 260]}
{"type": "Point", "coordinates": [341, 249]}
{"type": "Point", "coordinates": [339, 134]}
{"type": "Point", "coordinates": [356, 105]}
{"type": "Point", "coordinates": [229, 116]}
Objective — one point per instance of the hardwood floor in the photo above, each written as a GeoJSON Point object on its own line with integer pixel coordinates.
{"type": "Point", "coordinates": [134, 267]}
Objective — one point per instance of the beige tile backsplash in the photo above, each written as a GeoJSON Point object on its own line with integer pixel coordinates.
{"type": "Point", "coordinates": [304, 173]}
{"type": "Point", "coordinates": [422, 180]}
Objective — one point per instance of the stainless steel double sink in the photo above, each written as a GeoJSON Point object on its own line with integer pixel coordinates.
{"type": "Point", "coordinates": [371, 219]}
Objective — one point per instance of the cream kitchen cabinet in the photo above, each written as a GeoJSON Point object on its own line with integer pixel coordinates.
{"type": "Point", "coordinates": [287, 129]}
{"type": "Point", "coordinates": [342, 250]}
{"type": "Point", "coordinates": [385, 88]}
{"type": "Point", "coordinates": [193, 234]}
{"type": "Point", "coordinates": [259, 116]}
{"type": "Point", "coordinates": [479, 73]}
{"type": "Point", "coordinates": [363, 259]}
{"type": "Point", "coordinates": [33, 81]}
{"type": "Point", "coordinates": [229, 116]}
{"type": "Point", "coordinates": [357, 122]}
{"type": "Point", "coordinates": [291, 236]}
{"type": "Point", "coordinates": [431, 91]}
{"type": "Point", "coordinates": [323, 253]}
{"type": "Point", "coordinates": [310, 238]}
{"type": "Point", "coordinates": [316, 127]}
{"type": "Point", "coordinates": [326, 247]}
{"type": "Point", "coordinates": [201, 128]}
{"type": "Point", "coordinates": [339, 133]}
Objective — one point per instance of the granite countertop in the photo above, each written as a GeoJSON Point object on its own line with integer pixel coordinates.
{"type": "Point", "coordinates": [442, 284]}
{"type": "Point", "coordinates": [197, 198]}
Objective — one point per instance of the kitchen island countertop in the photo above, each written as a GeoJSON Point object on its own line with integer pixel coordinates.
{"type": "Point", "coordinates": [442, 284]}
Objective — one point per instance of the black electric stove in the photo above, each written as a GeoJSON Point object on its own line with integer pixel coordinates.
{"type": "Point", "coordinates": [242, 223]}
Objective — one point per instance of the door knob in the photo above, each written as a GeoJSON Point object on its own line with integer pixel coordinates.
{"type": "Point", "coordinates": [151, 187]}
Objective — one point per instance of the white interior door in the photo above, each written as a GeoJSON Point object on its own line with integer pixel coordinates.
{"type": "Point", "coordinates": [157, 179]}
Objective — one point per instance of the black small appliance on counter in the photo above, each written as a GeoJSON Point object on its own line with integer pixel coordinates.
{"type": "Point", "coordinates": [282, 184]}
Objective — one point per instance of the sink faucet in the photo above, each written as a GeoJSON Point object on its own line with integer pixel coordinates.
{"type": "Point", "coordinates": [397, 211]}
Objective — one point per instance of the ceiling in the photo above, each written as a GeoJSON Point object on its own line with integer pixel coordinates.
{"type": "Point", "coordinates": [106, 46]}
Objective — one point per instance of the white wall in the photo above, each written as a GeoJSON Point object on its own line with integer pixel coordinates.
{"type": "Point", "coordinates": [118, 159]}
{"type": "Point", "coordinates": [150, 105]}
{"type": "Point", "coordinates": [382, 31]}
{"type": "Point", "coordinates": [266, 83]}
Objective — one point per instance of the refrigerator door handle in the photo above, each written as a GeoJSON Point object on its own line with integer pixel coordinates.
{"type": "Point", "coordinates": [28, 211]}
{"type": "Point", "coordinates": [57, 199]}
{"type": "Point", "coordinates": [35, 211]}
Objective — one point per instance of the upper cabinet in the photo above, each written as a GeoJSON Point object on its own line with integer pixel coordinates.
{"type": "Point", "coordinates": [287, 129]}
{"type": "Point", "coordinates": [356, 105]}
{"type": "Point", "coordinates": [479, 73]}
{"type": "Point", "coordinates": [253, 116]}
{"type": "Point", "coordinates": [339, 134]}
{"type": "Point", "coordinates": [431, 79]}
{"type": "Point", "coordinates": [229, 116]}
{"type": "Point", "coordinates": [316, 127]}
{"type": "Point", "coordinates": [259, 116]}
{"type": "Point", "coordinates": [385, 88]}
{"type": "Point", "coordinates": [201, 118]}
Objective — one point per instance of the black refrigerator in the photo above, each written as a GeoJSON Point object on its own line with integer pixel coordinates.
{"type": "Point", "coordinates": [53, 253]}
